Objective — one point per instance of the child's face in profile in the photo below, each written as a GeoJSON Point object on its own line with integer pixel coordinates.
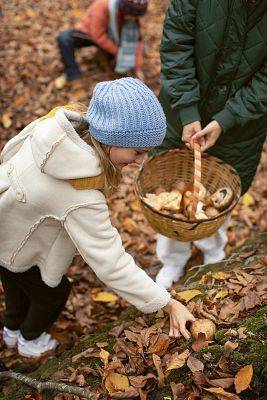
{"type": "Point", "coordinates": [124, 156]}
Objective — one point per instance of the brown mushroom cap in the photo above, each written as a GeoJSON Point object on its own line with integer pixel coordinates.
{"type": "Point", "coordinates": [212, 212]}
{"type": "Point", "coordinates": [205, 326]}
{"type": "Point", "coordinates": [222, 198]}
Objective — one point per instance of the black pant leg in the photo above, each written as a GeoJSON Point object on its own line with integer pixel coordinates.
{"type": "Point", "coordinates": [68, 41]}
{"type": "Point", "coordinates": [80, 39]}
{"type": "Point", "coordinates": [16, 301]}
{"type": "Point", "coordinates": [46, 303]}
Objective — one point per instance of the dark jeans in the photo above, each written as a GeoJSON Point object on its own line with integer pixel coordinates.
{"type": "Point", "coordinates": [68, 41]}
{"type": "Point", "coordinates": [31, 305]}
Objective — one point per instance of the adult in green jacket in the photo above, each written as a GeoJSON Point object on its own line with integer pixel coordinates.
{"type": "Point", "coordinates": [214, 82]}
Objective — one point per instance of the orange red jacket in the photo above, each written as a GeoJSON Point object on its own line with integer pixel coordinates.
{"type": "Point", "coordinates": [95, 24]}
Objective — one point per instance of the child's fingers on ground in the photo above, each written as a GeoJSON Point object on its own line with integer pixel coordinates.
{"type": "Point", "coordinates": [184, 331]}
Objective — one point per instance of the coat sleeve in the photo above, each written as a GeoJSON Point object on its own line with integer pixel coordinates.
{"type": "Point", "coordinates": [100, 245]}
{"type": "Point", "coordinates": [247, 104]}
{"type": "Point", "coordinates": [177, 59]}
{"type": "Point", "coordinates": [99, 28]}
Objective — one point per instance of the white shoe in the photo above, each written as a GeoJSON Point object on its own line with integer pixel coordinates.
{"type": "Point", "coordinates": [10, 337]}
{"type": "Point", "coordinates": [168, 275]}
{"type": "Point", "coordinates": [36, 347]}
{"type": "Point", "coordinates": [211, 258]}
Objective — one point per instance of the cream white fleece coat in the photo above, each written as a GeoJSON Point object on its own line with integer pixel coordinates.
{"type": "Point", "coordinates": [43, 218]}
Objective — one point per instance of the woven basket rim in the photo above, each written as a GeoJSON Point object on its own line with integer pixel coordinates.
{"type": "Point", "coordinates": [195, 222]}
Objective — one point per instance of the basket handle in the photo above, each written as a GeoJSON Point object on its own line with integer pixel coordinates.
{"type": "Point", "coordinates": [197, 178]}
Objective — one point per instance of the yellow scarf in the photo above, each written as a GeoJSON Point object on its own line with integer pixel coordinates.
{"type": "Point", "coordinates": [94, 182]}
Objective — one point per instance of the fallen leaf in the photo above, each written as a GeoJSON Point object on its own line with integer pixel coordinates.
{"type": "Point", "coordinates": [200, 342]}
{"type": "Point", "coordinates": [158, 364]}
{"type": "Point", "coordinates": [128, 394]}
{"type": "Point", "coordinates": [129, 224]}
{"type": "Point", "coordinates": [248, 200]}
{"type": "Point", "coordinates": [132, 336]}
{"type": "Point", "coordinates": [60, 82]}
{"type": "Point", "coordinates": [224, 363]}
{"type": "Point", "coordinates": [19, 101]}
{"type": "Point", "coordinates": [104, 297]}
{"type": "Point", "coordinates": [160, 346]}
{"type": "Point", "coordinates": [241, 332]}
{"type": "Point", "coordinates": [194, 364]}
{"type": "Point", "coordinates": [135, 205]}
{"type": "Point", "coordinates": [229, 347]}
{"type": "Point", "coordinates": [102, 344]}
{"type": "Point", "coordinates": [178, 390]}
{"type": "Point", "coordinates": [160, 314]}
{"type": "Point", "coordinates": [224, 383]}
{"type": "Point", "coordinates": [221, 394]}
{"type": "Point", "coordinates": [221, 294]}
{"type": "Point", "coordinates": [251, 300]}
{"type": "Point", "coordinates": [115, 382]}
{"type": "Point", "coordinates": [243, 378]}
{"type": "Point", "coordinates": [6, 120]}
{"type": "Point", "coordinates": [221, 276]}
{"type": "Point", "coordinates": [80, 379]}
{"type": "Point", "coordinates": [200, 378]}
{"type": "Point", "coordinates": [188, 295]}
{"type": "Point", "coordinates": [177, 360]}
{"type": "Point", "coordinates": [82, 354]}
{"type": "Point", "coordinates": [104, 355]}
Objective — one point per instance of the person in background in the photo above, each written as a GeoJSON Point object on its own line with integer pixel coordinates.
{"type": "Point", "coordinates": [54, 179]}
{"type": "Point", "coordinates": [214, 90]}
{"type": "Point", "coordinates": [111, 25]}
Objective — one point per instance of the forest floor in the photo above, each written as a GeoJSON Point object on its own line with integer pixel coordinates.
{"type": "Point", "coordinates": [29, 90]}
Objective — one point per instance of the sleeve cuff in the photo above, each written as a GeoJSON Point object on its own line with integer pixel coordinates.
{"type": "Point", "coordinates": [157, 303]}
{"type": "Point", "coordinates": [225, 119]}
{"type": "Point", "coordinates": [189, 114]}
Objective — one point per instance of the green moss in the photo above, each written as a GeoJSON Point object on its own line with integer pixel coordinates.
{"type": "Point", "coordinates": [161, 394]}
{"type": "Point", "coordinates": [250, 351]}
{"type": "Point", "coordinates": [180, 375]}
{"type": "Point", "coordinates": [210, 355]}
{"type": "Point", "coordinates": [220, 335]}
{"type": "Point", "coordinates": [257, 323]}
{"type": "Point", "coordinates": [130, 313]}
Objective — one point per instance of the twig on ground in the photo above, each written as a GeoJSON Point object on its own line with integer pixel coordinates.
{"type": "Point", "coordinates": [43, 386]}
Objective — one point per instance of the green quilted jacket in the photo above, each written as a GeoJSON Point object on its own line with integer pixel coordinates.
{"type": "Point", "coordinates": [214, 66]}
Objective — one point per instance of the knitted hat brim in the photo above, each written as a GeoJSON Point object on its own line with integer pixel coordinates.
{"type": "Point", "coordinates": [138, 138]}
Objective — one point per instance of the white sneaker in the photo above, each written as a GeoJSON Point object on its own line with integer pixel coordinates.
{"type": "Point", "coordinates": [211, 258]}
{"type": "Point", "coordinates": [168, 275]}
{"type": "Point", "coordinates": [36, 347]}
{"type": "Point", "coordinates": [10, 337]}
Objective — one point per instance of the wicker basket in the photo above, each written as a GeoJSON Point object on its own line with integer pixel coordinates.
{"type": "Point", "coordinates": [167, 167]}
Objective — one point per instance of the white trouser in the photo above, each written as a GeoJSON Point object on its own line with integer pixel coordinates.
{"type": "Point", "coordinates": [176, 254]}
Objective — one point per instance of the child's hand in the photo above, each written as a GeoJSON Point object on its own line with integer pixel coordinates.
{"type": "Point", "coordinates": [189, 131]}
{"type": "Point", "coordinates": [208, 135]}
{"type": "Point", "coordinates": [179, 316]}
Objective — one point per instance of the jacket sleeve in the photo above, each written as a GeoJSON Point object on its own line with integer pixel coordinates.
{"type": "Point", "coordinates": [247, 104]}
{"type": "Point", "coordinates": [177, 59]}
{"type": "Point", "coordinates": [99, 28]}
{"type": "Point", "coordinates": [100, 245]}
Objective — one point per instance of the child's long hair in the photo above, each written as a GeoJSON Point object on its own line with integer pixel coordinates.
{"type": "Point", "coordinates": [111, 171]}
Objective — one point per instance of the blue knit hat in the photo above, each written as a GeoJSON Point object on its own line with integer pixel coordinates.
{"type": "Point", "coordinates": [126, 113]}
